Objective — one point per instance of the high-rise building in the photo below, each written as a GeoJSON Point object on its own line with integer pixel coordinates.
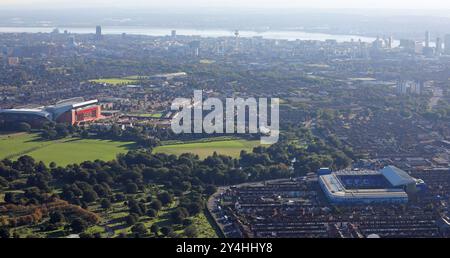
{"type": "Point", "coordinates": [236, 37]}
{"type": "Point", "coordinates": [438, 45]}
{"type": "Point", "coordinates": [194, 47]}
{"type": "Point", "coordinates": [427, 39]}
{"type": "Point", "coordinates": [71, 41]}
{"type": "Point", "coordinates": [173, 34]}
{"type": "Point", "coordinates": [447, 44]}
{"type": "Point", "coordinates": [389, 42]}
{"type": "Point", "coordinates": [98, 32]}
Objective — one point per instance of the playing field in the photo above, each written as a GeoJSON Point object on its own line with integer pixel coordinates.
{"type": "Point", "coordinates": [116, 81]}
{"type": "Point", "coordinates": [62, 152]}
{"type": "Point", "coordinates": [204, 149]}
{"type": "Point", "coordinates": [146, 115]}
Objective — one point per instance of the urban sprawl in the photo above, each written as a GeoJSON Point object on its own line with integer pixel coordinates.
{"type": "Point", "coordinates": [364, 148]}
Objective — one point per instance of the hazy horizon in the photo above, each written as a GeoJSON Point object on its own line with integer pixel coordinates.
{"type": "Point", "coordinates": [402, 19]}
{"type": "Point", "coordinates": [258, 4]}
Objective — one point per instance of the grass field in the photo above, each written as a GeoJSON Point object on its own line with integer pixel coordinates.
{"type": "Point", "coordinates": [203, 149]}
{"type": "Point", "coordinates": [116, 81]}
{"type": "Point", "coordinates": [147, 115]}
{"type": "Point", "coordinates": [62, 152]}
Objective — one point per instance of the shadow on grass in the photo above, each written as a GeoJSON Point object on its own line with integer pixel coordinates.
{"type": "Point", "coordinates": [57, 234]}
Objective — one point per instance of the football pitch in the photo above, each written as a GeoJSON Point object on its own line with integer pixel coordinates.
{"type": "Point", "coordinates": [62, 152]}
{"type": "Point", "coordinates": [203, 149]}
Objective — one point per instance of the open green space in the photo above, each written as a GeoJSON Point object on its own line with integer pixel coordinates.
{"type": "Point", "coordinates": [62, 152]}
{"type": "Point", "coordinates": [203, 149]}
{"type": "Point", "coordinates": [147, 115]}
{"type": "Point", "coordinates": [116, 81]}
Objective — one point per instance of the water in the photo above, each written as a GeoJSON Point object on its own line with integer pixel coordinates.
{"type": "Point", "coordinates": [276, 34]}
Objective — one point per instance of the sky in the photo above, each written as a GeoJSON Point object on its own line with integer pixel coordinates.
{"type": "Point", "coordinates": [332, 4]}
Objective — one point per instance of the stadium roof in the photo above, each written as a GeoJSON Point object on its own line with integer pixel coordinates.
{"type": "Point", "coordinates": [396, 176]}
{"type": "Point", "coordinates": [53, 111]}
{"type": "Point", "coordinates": [336, 189]}
{"type": "Point", "coordinates": [73, 104]}
{"type": "Point", "coordinates": [37, 112]}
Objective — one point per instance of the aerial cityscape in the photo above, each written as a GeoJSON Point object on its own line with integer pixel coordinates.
{"type": "Point", "coordinates": [361, 111]}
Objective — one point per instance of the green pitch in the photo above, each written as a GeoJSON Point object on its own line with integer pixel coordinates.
{"type": "Point", "coordinates": [116, 81]}
{"type": "Point", "coordinates": [62, 152]}
{"type": "Point", "coordinates": [204, 149]}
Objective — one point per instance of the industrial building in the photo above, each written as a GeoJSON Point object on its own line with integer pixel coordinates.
{"type": "Point", "coordinates": [72, 111]}
{"type": "Point", "coordinates": [388, 185]}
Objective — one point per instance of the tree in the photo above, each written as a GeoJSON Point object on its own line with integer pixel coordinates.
{"type": "Point", "coordinates": [61, 130]}
{"type": "Point", "coordinates": [86, 235]}
{"type": "Point", "coordinates": [166, 230]}
{"type": "Point", "coordinates": [57, 217]}
{"type": "Point", "coordinates": [187, 222]}
{"type": "Point", "coordinates": [191, 231]}
{"type": "Point", "coordinates": [4, 233]}
{"type": "Point", "coordinates": [210, 189]}
{"type": "Point", "coordinates": [152, 213]}
{"type": "Point", "coordinates": [90, 196]}
{"type": "Point", "coordinates": [131, 188]}
{"type": "Point", "coordinates": [156, 205]}
{"type": "Point", "coordinates": [194, 208]}
{"type": "Point", "coordinates": [3, 182]}
{"type": "Point", "coordinates": [154, 229]}
{"type": "Point", "coordinates": [136, 207]}
{"type": "Point", "coordinates": [131, 219]}
{"type": "Point", "coordinates": [105, 203]}
{"type": "Point", "coordinates": [179, 214]}
{"type": "Point", "coordinates": [10, 197]}
{"type": "Point", "coordinates": [139, 229]}
{"type": "Point", "coordinates": [78, 225]}
{"type": "Point", "coordinates": [165, 198]}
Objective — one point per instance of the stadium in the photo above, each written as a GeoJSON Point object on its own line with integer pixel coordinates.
{"type": "Point", "coordinates": [388, 185]}
{"type": "Point", "coordinates": [71, 111]}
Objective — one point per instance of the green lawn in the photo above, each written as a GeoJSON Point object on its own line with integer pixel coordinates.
{"type": "Point", "coordinates": [204, 229]}
{"type": "Point", "coordinates": [64, 151]}
{"type": "Point", "coordinates": [115, 81]}
{"type": "Point", "coordinates": [204, 149]}
{"type": "Point", "coordinates": [147, 115]}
